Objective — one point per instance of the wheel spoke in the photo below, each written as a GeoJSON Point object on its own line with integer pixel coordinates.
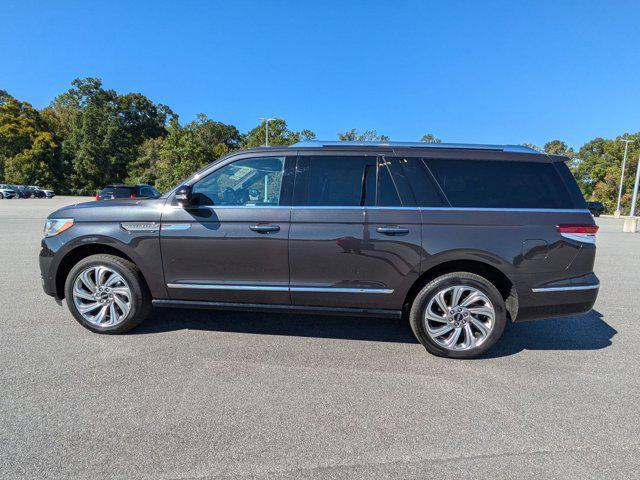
{"type": "Point", "coordinates": [469, 338]}
{"type": "Point", "coordinates": [436, 318]}
{"type": "Point", "coordinates": [480, 326]}
{"type": "Point", "coordinates": [124, 307]}
{"type": "Point", "coordinates": [113, 316]}
{"type": "Point", "coordinates": [486, 311]}
{"type": "Point", "coordinates": [85, 278]}
{"type": "Point", "coordinates": [101, 272]}
{"type": "Point", "coordinates": [453, 339]}
{"type": "Point", "coordinates": [115, 278]}
{"type": "Point", "coordinates": [86, 308]}
{"type": "Point", "coordinates": [101, 314]}
{"type": "Point", "coordinates": [455, 295]}
{"type": "Point", "coordinates": [441, 301]}
{"type": "Point", "coordinates": [82, 294]}
{"type": "Point", "coordinates": [124, 291]}
{"type": "Point", "coordinates": [472, 298]}
{"type": "Point", "coordinates": [438, 332]}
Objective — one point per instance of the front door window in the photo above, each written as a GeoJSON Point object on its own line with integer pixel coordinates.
{"type": "Point", "coordinates": [248, 182]}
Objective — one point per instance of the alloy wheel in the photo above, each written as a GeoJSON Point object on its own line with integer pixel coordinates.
{"type": "Point", "coordinates": [102, 296]}
{"type": "Point", "coordinates": [459, 318]}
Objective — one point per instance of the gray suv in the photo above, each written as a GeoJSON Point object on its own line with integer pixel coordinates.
{"type": "Point", "coordinates": [458, 239]}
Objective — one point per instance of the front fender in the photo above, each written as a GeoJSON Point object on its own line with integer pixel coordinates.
{"type": "Point", "coordinates": [87, 238]}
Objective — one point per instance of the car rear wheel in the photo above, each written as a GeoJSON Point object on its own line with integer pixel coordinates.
{"type": "Point", "coordinates": [1, 196]}
{"type": "Point", "coordinates": [107, 294]}
{"type": "Point", "coordinates": [458, 315]}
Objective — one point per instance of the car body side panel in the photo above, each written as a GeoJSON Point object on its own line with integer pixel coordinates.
{"type": "Point", "coordinates": [340, 248]}
{"type": "Point", "coordinates": [216, 250]}
{"type": "Point", "coordinates": [522, 244]}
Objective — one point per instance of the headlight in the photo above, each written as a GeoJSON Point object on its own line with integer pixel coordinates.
{"type": "Point", "coordinates": [54, 226]}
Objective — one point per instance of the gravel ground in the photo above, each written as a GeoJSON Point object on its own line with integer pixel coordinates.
{"type": "Point", "coordinates": [197, 395]}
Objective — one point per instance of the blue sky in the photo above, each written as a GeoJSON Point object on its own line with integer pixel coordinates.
{"type": "Point", "coordinates": [492, 72]}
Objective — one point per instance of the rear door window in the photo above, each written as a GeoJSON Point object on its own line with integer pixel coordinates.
{"type": "Point", "coordinates": [500, 184]}
{"type": "Point", "coordinates": [339, 181]}
{"type": "Point", "coordinates": [334, 181]}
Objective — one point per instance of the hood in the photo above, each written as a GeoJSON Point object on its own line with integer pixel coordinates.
{"type": "Point", "coordinates": [134, 210]}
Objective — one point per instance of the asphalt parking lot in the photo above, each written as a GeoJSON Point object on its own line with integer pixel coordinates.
{"type": "Point", "coordinates": [198, 395]}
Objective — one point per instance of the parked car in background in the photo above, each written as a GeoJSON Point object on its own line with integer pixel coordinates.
{"type": "Point", "coordinates": [22, 191]}
{"type": "Point", "coordinates": [49, 193]}
{"type": "Point", "coordinates": [6, 191]}
{"type": "Point", "coordinates": [457, 239]}
{"type": "Point", "coordinates": [37, 192]}
{"type": "Point", "coordinates": [596, 208]}
{"type": "Point", "coordinates": [120, 190]}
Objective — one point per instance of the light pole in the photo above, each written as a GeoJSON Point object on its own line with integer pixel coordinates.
{"type": "Point", "coordinates": [266, 138]}
{"type": "Point", "coordinates": [624, 163]}
{"type": "Point", "coordinates": [635, 190]}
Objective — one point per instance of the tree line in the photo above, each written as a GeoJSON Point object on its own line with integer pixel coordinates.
{"type": "Point", "coordinates": [89, 136]}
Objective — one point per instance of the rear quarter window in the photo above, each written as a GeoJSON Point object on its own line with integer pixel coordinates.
{"type": "Point", "coordinates": [501, 184]}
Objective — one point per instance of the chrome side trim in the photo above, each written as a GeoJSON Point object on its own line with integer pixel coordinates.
{"type": "Point", "coordinates": [565, 289]}
{"type": "Point", "coordinates": [591, 238]}
{"type": "Point", "coordinates": [341, 290]}
{"type": "Point", "coordinates": [270, 288]}
{"type": "Point", "coordinates": [221, 286]}
{"type": "Point", "coordinates": [176, 226]}
{"type": "Point", "coordinates": [139, 227]}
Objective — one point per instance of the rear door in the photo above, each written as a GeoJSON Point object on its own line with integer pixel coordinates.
{"type": "Point", "coordinates": [355, 238]}
{"type": "Point", "coordinates": [232, 247]}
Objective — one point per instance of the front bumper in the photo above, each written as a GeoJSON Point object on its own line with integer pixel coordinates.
{"type": "Point", "coordinates": [47, 274]}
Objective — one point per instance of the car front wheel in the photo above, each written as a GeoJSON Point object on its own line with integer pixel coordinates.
{"type": "Point", "coordinates": [458, 315]}
{"type": "Point", "coordinates": [107, 294]}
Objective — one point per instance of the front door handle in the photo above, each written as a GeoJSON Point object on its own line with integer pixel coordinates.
{"type": "Point", "coordinates": [265, 228]}
{"type": "Point", "coordinates": [392, 230]}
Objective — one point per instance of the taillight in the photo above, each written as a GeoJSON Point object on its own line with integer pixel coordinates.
{"type": "Point", "coordinates": [97, 195]}
{"type": "Point", "coordinates": [133, 195]}
{"type": "Point", "coordinates": [579, 232]}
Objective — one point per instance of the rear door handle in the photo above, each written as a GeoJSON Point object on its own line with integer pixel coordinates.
{"type": "Point", "coordinates": [265, 228]}
{"type": "Point", "coordinates": [392, 230]}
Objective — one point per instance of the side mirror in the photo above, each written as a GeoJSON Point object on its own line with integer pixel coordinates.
{"type": "Point", "coordinates": [183, 196]}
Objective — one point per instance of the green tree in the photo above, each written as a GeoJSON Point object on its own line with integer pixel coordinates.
{"type": "Point", "coordinates": [531, 145]}
{"type": "Point", "coordinates": [366, 136]}
{"type": "Point", "coordinates": [103, 131]}
{"type": "Point", "coordinates": [186, 150]}
{"type": "Point", "coordinates": [558, 147]}
{"type": "Point", "coordinates": [28, 151]}
{"type": "Point", "coordinates": [598, 169]}
{"type": "Point", "coordinates": [430, 138]}
{"type": "Point", "coordinates": [279, 134]}
{"type": "Point", "coordinates": [145, 168]}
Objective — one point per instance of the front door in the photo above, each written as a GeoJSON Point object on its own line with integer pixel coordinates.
{"type": "Point", "coordinates": [355, 234]}
{"type": "Point", "coordinates": [232, 246]}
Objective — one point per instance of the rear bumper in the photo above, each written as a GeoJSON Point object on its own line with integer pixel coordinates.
{"type": "Point", "coordinates": [572, 296]}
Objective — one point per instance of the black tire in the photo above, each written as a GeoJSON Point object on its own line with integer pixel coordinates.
{"type": "Point", "coordinates": [420, 303]}
{"type": "Point", "coordinates": [140, 296]}
{"type": "Point", "coordinates": [1, 196]}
